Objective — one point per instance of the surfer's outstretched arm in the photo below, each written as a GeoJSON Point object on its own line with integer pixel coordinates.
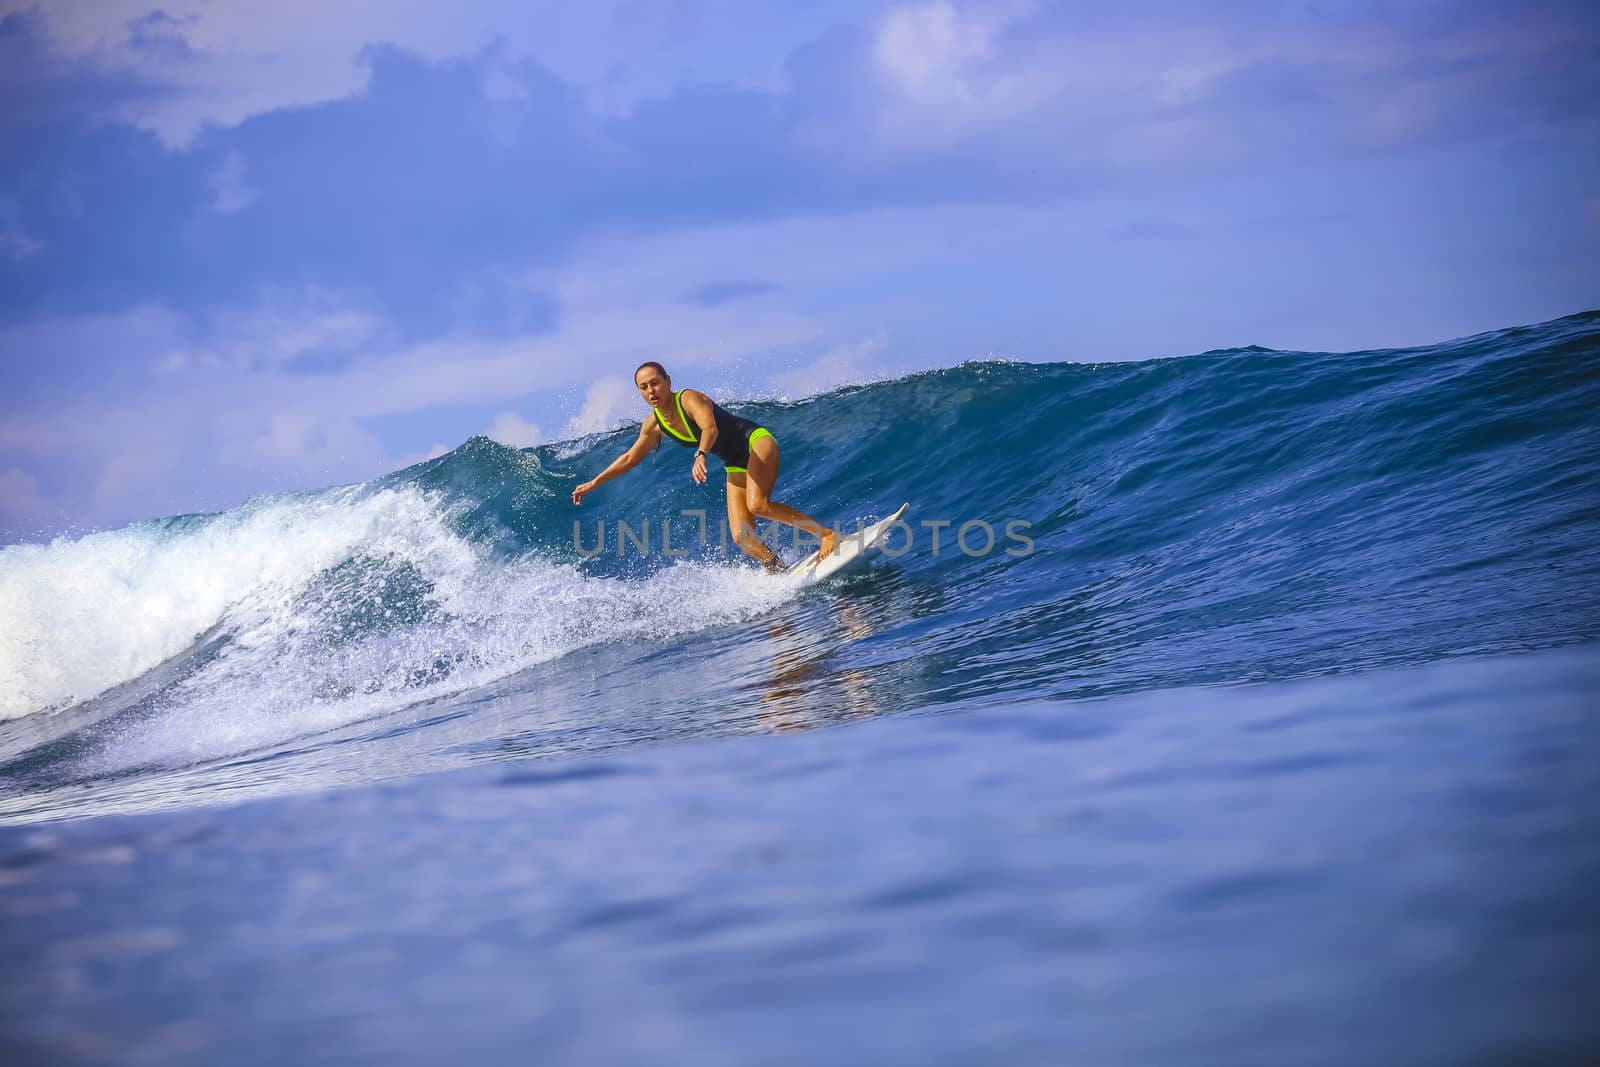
{"type": "Point", "coordinates": [649, 437]}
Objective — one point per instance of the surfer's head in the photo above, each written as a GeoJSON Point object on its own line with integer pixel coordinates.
{"type": "Point", "coordinates": [654, 383]}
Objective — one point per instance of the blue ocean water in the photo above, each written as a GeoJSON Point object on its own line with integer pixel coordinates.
{"type": "Point", "coordinates": [1263, 732]}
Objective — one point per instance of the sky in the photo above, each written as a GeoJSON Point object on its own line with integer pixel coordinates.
{"type": "Point", "coordinates": [256, 247]}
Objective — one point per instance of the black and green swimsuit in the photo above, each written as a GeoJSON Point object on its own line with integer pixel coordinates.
{"type": "Point", "coordinates": [734, 434]}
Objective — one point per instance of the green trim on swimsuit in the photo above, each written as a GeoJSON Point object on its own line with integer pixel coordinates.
{"type": "Point", "coordinates": [681, 418]}
{"type": "Point", "coordinates": [759, 431]}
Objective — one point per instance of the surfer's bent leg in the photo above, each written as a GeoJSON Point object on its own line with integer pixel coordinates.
{"type": "Point", "coordinates": [762, 474]}
{"type": "Point", "coordinates": [743, 527]}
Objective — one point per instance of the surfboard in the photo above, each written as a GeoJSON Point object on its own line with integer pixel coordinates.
{"type": "Point", "coordinates": [851, 549]}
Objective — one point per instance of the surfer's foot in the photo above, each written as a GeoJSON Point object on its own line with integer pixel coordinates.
{"type": "Point", "coordinates": [830, 538]}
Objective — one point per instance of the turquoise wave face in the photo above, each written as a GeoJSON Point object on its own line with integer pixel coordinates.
{"type": "Point", "coordinates": [1232, 516]}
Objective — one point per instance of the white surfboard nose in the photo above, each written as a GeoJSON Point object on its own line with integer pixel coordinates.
{"type": "Point", "coordinates": [851, 548]}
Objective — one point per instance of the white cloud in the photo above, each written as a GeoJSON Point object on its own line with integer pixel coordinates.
{"type": "Point", "coordinates": [846, 364]}
{"type": "Point", "coordinates": [511, 429]}
{"type": "Point", "coordinates": [607, 404]}
{"type": "Point", "coordinates": [926, 48]}
{"type": "Point", "coordinates": [287, 436]}
{"type": "Point", "coordinates": [1157, 86]}
{"type": "Point", "coordinates": [952, 71]}
{"type": "Point", "coordinates": [282, 326]}
{"type": "Point", "coordinates": [172, 361]}
{"type": "Point", "coordinates": [250, 58]}
{"type": "Point", "coordinates": [231, 191]}
{"type": "Point", "coordinates": [439, 449]}
{"type": "Point", "coordinates": [933, 52]}
{"type": "Point", "coordinates": [301, 444]}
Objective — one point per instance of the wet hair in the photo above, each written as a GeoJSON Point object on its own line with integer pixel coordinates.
{"type": "Point", "coordinates": [650, 363]}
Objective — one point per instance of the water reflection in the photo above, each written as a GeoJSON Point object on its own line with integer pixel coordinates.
{"type": "Point", "coordinates": [799, 694]}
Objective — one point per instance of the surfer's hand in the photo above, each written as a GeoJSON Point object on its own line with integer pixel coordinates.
{"type": "Point", "coordinates": [699, 469]}
{"type": "Point", "coordinates": [577, 494]}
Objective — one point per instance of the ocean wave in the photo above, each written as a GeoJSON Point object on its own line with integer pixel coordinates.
{"type": "Point", "coordinates": [1237, 514]}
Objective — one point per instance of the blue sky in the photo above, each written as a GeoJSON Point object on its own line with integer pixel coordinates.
{"type": "Point", "coordinates": [252, 247]}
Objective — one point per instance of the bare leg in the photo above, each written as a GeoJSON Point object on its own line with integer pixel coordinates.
{"type": "Point", "coordinates": [742, 526]}
{"type": "Point", "coordinates": [763, 474]}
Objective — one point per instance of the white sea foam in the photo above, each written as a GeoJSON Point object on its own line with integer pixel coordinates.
{"type": "Point", "coordinates": [81, 616]}
{"type": "Point", "coordinates": [305, 588]}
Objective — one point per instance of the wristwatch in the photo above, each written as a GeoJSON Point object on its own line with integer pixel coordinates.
{"type": "Point", "coordinates": [701, 452]}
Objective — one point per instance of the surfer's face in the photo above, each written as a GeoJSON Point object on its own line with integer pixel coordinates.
{"type": "Point", "coordinates": [652, 386]}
